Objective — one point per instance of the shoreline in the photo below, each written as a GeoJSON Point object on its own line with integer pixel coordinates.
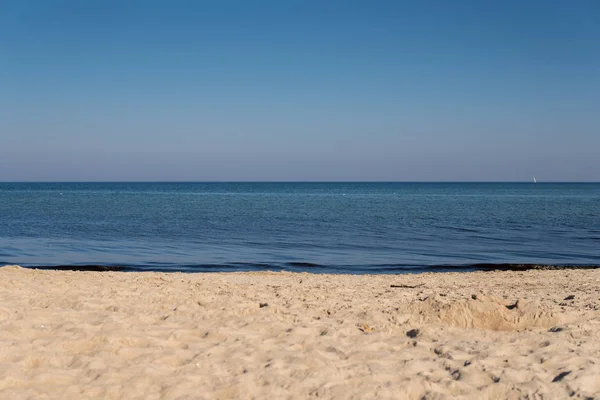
{"type": "Point", "coordinates": [492, 334]}
{"type": "Point", "coordinates": [313, 268]}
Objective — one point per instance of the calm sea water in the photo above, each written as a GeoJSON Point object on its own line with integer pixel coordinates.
{"type": "Point", "coordinates": [320, 227]}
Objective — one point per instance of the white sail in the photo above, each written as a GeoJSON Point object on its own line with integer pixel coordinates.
{"type": "Point", "coordinates": [534, 181]}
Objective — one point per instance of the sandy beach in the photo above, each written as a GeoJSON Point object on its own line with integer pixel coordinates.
{"type": "Point", "coordinates": [118, 335]}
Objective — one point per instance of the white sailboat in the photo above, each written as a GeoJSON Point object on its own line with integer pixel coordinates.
{"type": "Point", "coordinates": [534, 181]}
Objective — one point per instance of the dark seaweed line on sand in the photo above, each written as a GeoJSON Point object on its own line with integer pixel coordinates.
{"type": "Point", "coordinates": [310, 267]}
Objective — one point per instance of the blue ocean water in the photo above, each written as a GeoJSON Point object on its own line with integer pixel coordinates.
{"type": "Point", "coordinates": [319, 227]}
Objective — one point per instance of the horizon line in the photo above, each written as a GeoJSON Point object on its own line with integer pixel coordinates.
{"type": "Point", "coordinates": [286, 181]}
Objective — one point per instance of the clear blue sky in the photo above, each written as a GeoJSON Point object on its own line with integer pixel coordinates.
{"type": "Point", "coordinates": [300, 90]}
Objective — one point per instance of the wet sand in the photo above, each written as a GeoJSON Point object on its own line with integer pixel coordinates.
{"type": "Point", "coordinates": [121, 335]}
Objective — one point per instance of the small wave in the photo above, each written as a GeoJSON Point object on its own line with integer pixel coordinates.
{"type": "Point", "coordinates": [458, 229]}
{"type": "Point", "coordinates": [305, 265]}
{"type": "Point", "coordinates": [96, 268]}
{"type": "Point", "coordinates": [515, 267]}
{"type": "Point", "coordinates": [497, 239]}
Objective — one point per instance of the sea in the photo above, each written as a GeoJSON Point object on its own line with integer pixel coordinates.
{"type": "Point", "coordinates": [356, 228]}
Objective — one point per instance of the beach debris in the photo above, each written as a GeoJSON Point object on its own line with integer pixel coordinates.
{"type": "Point", "coordinates": [560, 376]}
{"type": "Point", "coordinates": [407, 286]}
{"type": "Point", "coordinates": [467, 363]}
{"type": "Point", "coordinates": [365, 328]}
{"type": "Point", "coordinates": [570, 297]}
{"type": "Point", "coordinates": [555, 329]}
{"type": "Point", "coordinates": [413, 333]}
{"type": "Point", "coordinates": [455, 374]}
{"type": "Point", "coordinates": [263, 305]}
{"type": "Point", "coordinates": [474, 296]}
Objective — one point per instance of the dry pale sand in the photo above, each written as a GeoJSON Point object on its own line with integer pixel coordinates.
{"type": "Point", "coordinates": [118, 335]}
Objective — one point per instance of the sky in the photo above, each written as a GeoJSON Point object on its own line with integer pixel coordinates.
{"type": "Point", "coordinates": [299, 90]}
